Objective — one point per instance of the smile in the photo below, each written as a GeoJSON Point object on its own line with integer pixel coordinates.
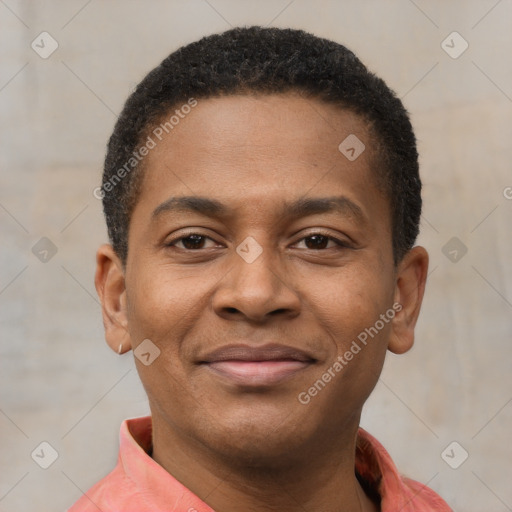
{"type": "Point", "coordinates": [257, 366]}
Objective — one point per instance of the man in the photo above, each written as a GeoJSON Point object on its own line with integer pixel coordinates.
{"type": "Point", "coordinates": [262, 197]}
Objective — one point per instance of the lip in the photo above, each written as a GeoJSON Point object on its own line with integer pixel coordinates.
{"type": "Point", "coordinates": [264, 365]}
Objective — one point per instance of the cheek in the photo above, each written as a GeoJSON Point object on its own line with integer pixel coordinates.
{"type": "Point", "coordinates": [154, 306]}
{"type": "Point", "coordinates": [160, 307]}
{"type": "Point", "coordinates": [349, 308]}
{"type": "Point", "coordinates": [164, 305]}
{"type": "Point", "coordinates": [350, 301]}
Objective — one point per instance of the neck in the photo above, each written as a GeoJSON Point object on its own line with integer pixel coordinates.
{"type": "Point", "coordinates": [318, 478]}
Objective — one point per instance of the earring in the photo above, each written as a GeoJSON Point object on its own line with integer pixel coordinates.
{"type": "Point", "coordinates": [120, 349]}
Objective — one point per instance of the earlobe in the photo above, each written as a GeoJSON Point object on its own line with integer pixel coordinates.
{"type": "Point", "coordinates": [409, 289]}
{"type": "Point", "coordinates": [110, 285]}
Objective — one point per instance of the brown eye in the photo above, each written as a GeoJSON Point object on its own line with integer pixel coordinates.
{"type": "Point", "coordinates": [316, 241]}
{"type": "Point", "coordinates": [319, 241]}
{"type": "Point", "coordinates": [193, 241]}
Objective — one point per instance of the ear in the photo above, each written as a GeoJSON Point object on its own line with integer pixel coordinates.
{"type": "Point", "coordinates": [110, 285]}
{"type": "Point", "coordinates": [409, 290]}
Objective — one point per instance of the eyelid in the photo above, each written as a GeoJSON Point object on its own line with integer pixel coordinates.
{"type": "Point", "coordinates": [191, 231]}
{"type": "Point", "coordinates": [318, 231]}
{"type": "Point", "coordinates": [341, 241]}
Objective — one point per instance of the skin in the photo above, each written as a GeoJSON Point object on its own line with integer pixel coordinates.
{"type": "Point", "coordinates": [242, 448]}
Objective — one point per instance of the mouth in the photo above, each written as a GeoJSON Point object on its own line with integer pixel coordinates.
{"type": "Point", "coordinates": [262, 366]}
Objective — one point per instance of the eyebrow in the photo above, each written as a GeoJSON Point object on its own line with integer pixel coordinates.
{"type": "Point", "coordinates": [300, 208]}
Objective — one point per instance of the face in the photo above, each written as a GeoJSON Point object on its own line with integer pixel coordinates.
{"type": "Point", "coordinates": [258, 255]}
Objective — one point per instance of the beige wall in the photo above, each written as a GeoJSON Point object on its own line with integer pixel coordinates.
{"type": "Point", "coordinates": [58, 381]}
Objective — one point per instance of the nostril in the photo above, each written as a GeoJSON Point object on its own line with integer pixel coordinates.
{"type": "Point", "coordinates": [278, 311]}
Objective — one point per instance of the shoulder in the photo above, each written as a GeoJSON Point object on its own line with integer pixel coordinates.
{"type": "Point", "coordinates": [396, 492]}
{"type": "Point", "coordinates": [112, 493]}
{"type": "Point", "coordinates": [424, 499]}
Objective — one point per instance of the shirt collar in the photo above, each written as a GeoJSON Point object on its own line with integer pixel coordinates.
{"type": "Point", "coordinates": [373, 464]}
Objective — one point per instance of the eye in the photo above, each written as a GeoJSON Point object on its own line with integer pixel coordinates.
{"type": "Point", "coordinates": [191, 241]}
{"type": "Point", "coordinates": [320, 241]}
{"type": "Point", "coordinates": [313, 241]}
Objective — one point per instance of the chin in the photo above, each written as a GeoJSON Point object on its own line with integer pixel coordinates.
{"type": "Point", "coordinates": [255, 455]}
{"type": "Point", "coordinates": [260, 443]}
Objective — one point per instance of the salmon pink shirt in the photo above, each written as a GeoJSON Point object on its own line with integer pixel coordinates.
{"type": "Point", "coordinates": [139, 484]}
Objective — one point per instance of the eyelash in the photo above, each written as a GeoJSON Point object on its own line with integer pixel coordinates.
{"type": "Point", "coordinates": [340, 244]}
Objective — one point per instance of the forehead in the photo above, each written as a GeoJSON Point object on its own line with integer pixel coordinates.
{"type": "Point", "coordinates": [252, 148]}
{"type": "Point", "coordinates": [238, 121]}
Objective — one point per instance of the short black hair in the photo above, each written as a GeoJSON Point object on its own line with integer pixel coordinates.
{"type": "Point", "coordinates": [248, 60]}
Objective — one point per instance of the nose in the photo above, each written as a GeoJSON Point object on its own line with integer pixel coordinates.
{"type": "Point", "coordinates": [256, 291]}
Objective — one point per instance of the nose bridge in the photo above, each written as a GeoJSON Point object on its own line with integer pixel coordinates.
{"type": "Point", "coordinates": [256, 284]}
{"type": "Point", "coordinates": [256, 266]}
